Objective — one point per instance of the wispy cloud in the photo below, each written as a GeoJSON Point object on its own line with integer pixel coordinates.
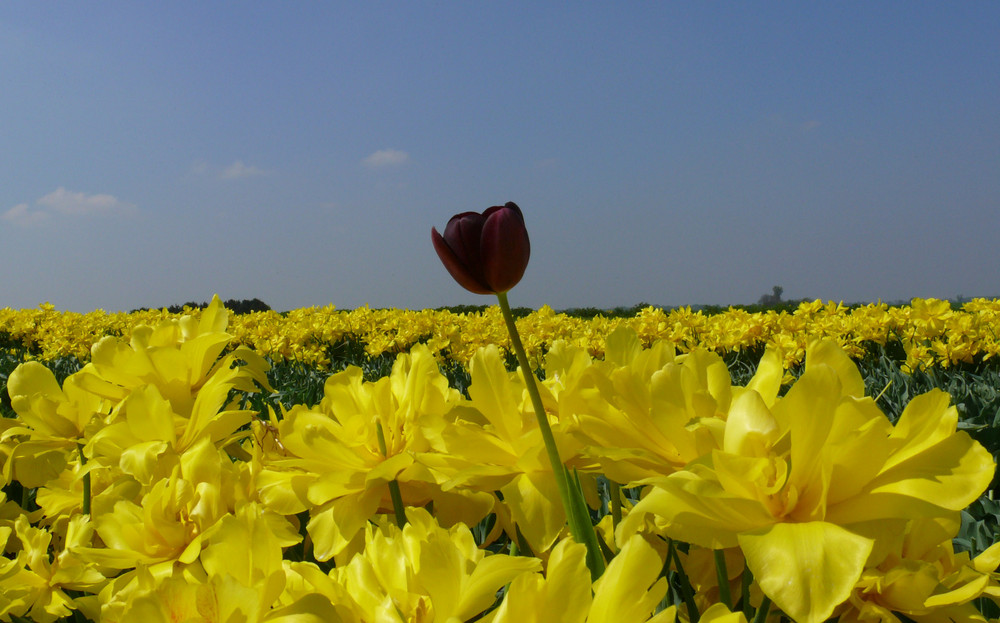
{"type": "Point", "coordinates": [239, 170]}
{"type": "Point", "coordinates": [23, 215]}
{"type": "Point", "coordinates": [62, 202]}
{"type": "Point", "coordinates": [200, 168]}
{"type": "Point", "coordinates": [386, 157]}
{"type": "Point", "coordinates": [236, 171]}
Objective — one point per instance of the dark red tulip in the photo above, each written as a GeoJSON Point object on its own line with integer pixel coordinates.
{"type": "Point", "coordinates": [485, 253]}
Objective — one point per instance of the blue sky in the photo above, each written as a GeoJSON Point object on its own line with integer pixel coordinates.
{"type": "Point", "coordinates": [670, 153]}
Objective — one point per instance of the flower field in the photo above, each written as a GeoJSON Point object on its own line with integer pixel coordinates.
{"type": "Point", "coordinates": [822, 463]}
{"type": "Point", "coordinates": [929, 331]}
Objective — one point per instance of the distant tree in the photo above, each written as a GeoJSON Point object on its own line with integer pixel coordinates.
{"type": "Point", "coordinates": [176, 309]}
{"type": "Point", "coordinates": [245, 306]}
{"type": "Point", "coordinates": [242, 306]}
{"type": "Point", "coordinates": [773, 299]}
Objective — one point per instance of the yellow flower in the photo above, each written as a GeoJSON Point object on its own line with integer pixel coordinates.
{"type": "Point", "coordinates": [51, 422]}
{"type": "Point", "coordinates": [630, 589]}
{"type": "Point", "coordinates": [498, 446]}
{"type": "Point", "coordinates": [173, 517]}
{"type": "Point", "coordinates": [701, 569]}
{"type": "Point", "coordinates": [148, 435]}
{"type": "Point", "coordinates": [183, 358]}
{"type": "Point", "coordinates": [240, 577]}
{"type": "Point", "coordinates": [923, 578]}
{"type": "Point", "coordinates": [185, 594]}
{"type": "Point", "coordinates": [807, 486]}
{"type": "Point", "coordinates": [35, 583]}
{"type": "Point", "coordinates": [49, 411]}
{"type": "Point", "coordinates": [333, 464]}
{"type": "Point", "coordinates": [645, 413]}
{"type": "Point", "coordinates": [422, 573]}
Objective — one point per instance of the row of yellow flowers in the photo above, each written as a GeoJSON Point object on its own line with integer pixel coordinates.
{"type": "Point", "coordinates": [159, 501]}
{"type": "Point", "coordinates": [930, 331]}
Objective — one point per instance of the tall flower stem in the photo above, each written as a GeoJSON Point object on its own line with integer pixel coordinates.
{"type": "Point", "coordinates": [577, 513]}
{"type": "Point", "coordinates": [722, 576]}
{"type": "Point", "coordinates": [86, 481]}
{"type": "Point", "coordinates": [394, 492]}
{"type": "Point", "coordinates": [616, 503]}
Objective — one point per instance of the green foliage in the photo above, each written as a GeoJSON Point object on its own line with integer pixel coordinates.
{"type": "Point", "coordinates": [8, 361]}
{"type": "Point", "coordinates": [974, 390]}
{"type": "Point", "coordinates": [519, 312]}
{"type": "Point", "coordinates": [242, 306]}
{"type": "Point", "coordinates": [588, 313]}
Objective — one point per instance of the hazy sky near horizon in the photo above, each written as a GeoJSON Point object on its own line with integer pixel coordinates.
{"type": "Point", "coordinates": [673, 153]}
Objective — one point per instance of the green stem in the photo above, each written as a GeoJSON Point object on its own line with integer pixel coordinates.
{"type": "Point", "coordinates": [394, 493]}
{"type": "Point", "coordinates": [687, 591]}
{"type": "Point", "coordinates": [722, 576]}
{"type": "Point", "coordinates": [580, 525]}
{"type": "Point", "coordinates": [616, 504]}
{"type": "Point", "coordinates": [762, 612]}
{"type": "Point", "coordinates": [747, 580]}
{"type": "Point", "coordinates": [86, 481]}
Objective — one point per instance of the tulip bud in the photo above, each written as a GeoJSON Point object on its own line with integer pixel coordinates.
{"type": "Point", "coordinates": [485, 253]}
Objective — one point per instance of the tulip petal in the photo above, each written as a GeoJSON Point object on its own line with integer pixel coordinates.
{"type": "Point", "coordinates": [463, 233]}
{"type": "Point", "coordinates": [533, 499]}
{"type": "Point", "coordinates": [457, 268]}
{"type": "Point", "coordinates": [807, 569]}
{"type": "Point", "coordinates": [630, 588]}
{"type": "Point", "coordinates": [333, 526]}
{"type": "Point", "coordinates": [479, 591]}
{"type": "Point", "coordinates": [828, 352]}
{"type": "Point", "coordinates": [697, 511]}
{"type": "Point", "coordinates": [505, 248]}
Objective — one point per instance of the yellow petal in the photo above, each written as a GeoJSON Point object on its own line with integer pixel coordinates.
{"type": "Point", "coordinates": [629, 589]}
{"type": "Point", "coordinates": [719, 613]}
{"type": "Point", "coordinates": [491, 391]}
{"type": "Point", "coordinates": [750, 427]}
{"type": "Point", "coordinates": [533, 500]}
{"type": "Point", "coordinates": [621, 346]}
{"type": "Point", "coordinates": [946, 477]}
{"type": "Point", "coordinates": [493, 572]}
{"type": "Point", "coordinates": [926, 420]}
{"type": "Point", "coordinates": [563, 595]}
{"type": "Point", "coordinates": [807, 569]}
{"type": "Point", "coordinates": [310, 608]}
{"type": "Point", "coordinates": [828, 352]}
{"type": "Point", "coordinates": [333, 526]}
{"type": "Point", "coordinates": [31, 377]}
{"type": "Point", "coordinates": [766, 380]}
{"type": "Point", "coordinates": [697, 510]}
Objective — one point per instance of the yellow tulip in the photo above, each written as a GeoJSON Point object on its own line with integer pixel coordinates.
{"type": "Point", "coordinates": [36, 582]}
{"type": "Point", "coordinates": [497, 446]}
{"type": "Point", "coordinates": [332, 462]}
{"type": "Point", "coordinates": [422, 572]}
{"type": "Point", "coordinates": [629, 590]}
{"type": "Point", "coordinates": [52, 421]}
{"type": "Point", "coordinates": [183, 358]}
{"type": "Point", "coordinates": [807, 486]}
{"type": "Point", "coordinates": [173, 517]}
{"type": "Point", "coordinates": [644, 413]}
{"type": "Point", "coordinates": [924, 578]}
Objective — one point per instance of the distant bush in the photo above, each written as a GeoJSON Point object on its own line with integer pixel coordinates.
{"type": "Point", "coordinates": [519, 312]}
{"type": "Point", "coordinates": [242, 306]}
{"type": "Point", "coordinates": [616, 312]}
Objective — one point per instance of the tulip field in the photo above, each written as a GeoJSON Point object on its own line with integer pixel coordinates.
{"type": "Point", "coordinates": [819, 463]}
